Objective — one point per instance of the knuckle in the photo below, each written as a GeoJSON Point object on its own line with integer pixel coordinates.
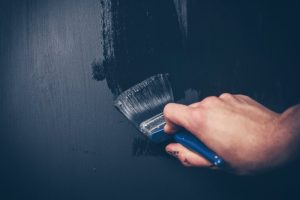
{"type": "Point", "coordinates": [195, 105]}
{"type": "Point", "coordinates": [226, 96]}
{"type": "Point", "coordinates": [210, 100]}
{"type": "Point", "coordinates": [243, 97]}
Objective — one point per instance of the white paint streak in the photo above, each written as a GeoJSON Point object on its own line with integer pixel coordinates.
{"type": "Point", "coordinates": [106, 22]}
{"type": "Point", "coordinates": [181, 9]}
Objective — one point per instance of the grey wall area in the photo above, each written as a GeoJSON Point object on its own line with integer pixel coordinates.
{"type": "Point", "coordinates": [63, 62]}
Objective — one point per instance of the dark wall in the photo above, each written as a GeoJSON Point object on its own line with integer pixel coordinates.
{"type": "Point", "coordinates": [61, 137]}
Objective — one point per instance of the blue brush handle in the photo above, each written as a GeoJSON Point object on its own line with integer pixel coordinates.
{"type": "Point", "coordinates": [191, 142]}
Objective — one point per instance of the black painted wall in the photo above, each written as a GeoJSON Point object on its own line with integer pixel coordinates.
{"type": "Point", "coordinates": [61, 137]}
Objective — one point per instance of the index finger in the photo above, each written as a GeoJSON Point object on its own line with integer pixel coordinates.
{"type": "Point", "coordinates": [176, 115]}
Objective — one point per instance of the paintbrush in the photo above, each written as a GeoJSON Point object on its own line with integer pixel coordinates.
{"type": "Point", "coordinates": [143, 104]}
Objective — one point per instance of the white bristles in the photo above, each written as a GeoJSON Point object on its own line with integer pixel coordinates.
{"type": "Point", "coordinates": [146, 99]}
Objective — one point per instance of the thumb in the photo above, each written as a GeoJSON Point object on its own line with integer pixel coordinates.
{"type": "Point", "coordinates": [179, 115]}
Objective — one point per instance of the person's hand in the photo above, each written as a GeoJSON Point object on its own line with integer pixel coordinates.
{"type": "Point", "coordinates": [247, 135]}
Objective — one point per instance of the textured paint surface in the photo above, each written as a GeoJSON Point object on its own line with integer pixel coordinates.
{"type": "Point", "coordinates": [139, 39]}
{"type": "Point", "coordinates": [181, 9]}
{"type": "Point", "coordinates": [61, 137]}
{"type": "Point", "coordinates": [232, 47]}
{"type": "Point", "coordinates": [207, 47]}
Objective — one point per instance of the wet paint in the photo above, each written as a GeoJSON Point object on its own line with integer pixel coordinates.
{"type": "Point", "coordinates": [61, 138]}
{"type": "Point", "coordinates": [142, 39]}
{"type": "Point", "coordinates": [181, 9]}
{"type": "Point", "coordinates": [208, 48]}
{"type": "Point", "coordinates": [139, 39]}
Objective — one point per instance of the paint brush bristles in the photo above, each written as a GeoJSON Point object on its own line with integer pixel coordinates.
{"type": "Point", "coordinates": [146, 99]}
{"type": "Point", "coordinates": [143, 105]}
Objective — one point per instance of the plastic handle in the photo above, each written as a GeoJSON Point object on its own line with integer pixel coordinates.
{"type": "Point", "coordinates": [191, 142]}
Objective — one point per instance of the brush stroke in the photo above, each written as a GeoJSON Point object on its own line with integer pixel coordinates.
{"type": "Point", "coordinates": [226, 48]}
{"type": "Point", "coordinates": [181, 9]}
{"type": "Point", "coordinates": [139, 39]}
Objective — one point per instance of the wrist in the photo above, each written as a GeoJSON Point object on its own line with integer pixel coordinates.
{"type": "Point", "coordinates": [289, 130]}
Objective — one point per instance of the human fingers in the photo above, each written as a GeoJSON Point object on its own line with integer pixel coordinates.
{"type": "Point", "coordinates": [176, 115]}
{"type": "Point", "coordinates": [187, 157]}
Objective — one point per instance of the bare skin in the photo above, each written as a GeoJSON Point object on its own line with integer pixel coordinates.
{"type": "Point", "coordinates": [248, 136]}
